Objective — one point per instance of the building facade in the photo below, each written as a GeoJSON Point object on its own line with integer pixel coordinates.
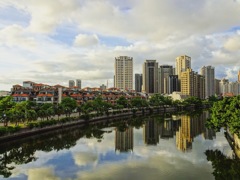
{"type": "Point", "coordinates": [164, 72]}
{"type": "Point", "coordinates": [123, 73]}
{"type": "Point", "coordinates": [209, 73]}
{"type": "Point", "coordinates": [138, 82]}
{"type": "Point", "coordinates": [150, 76]}
{"type": "Point", "coordinates": [192, 84]}
{"type": "Point", "coordinates": [174, 85]}
{"type": "Point", "coordinates": [71, 83]}
{"type": "Point", "coordinates": [182, 64]}
{"type": "Point", "coordinates": [239, 76]}
{"type": "Point", "coordinates": [79, 83]}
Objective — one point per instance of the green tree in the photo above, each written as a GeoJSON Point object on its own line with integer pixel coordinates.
{"type": "Point", "coordinates": [122, 101]}
{"type": "Point", "coordinates": [69, 105]}
{"type": "Point", "coordinates": [5, 105]}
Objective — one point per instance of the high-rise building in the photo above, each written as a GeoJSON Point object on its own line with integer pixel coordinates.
{"type": "Point", "coordinates": [187, 78]}
{"type": "Point", "coordinates": [209, 74]}
{"type": "Point", "coordinates": [150, 76]}
{"type": "Point", "coordinates": [164, 72]}
{"type": "Point", "coordinates": [239, 76]}
{"type": "Point", "coordinates": [71, 83]}
{"type": "Point", "coordinates": [174, 84]}
{"type": "Point", "coordinates": [223, 86]}
{"type": "Point", "coordinates": [182, 64]}
{"type": "Point", "coordinates": [123, 72]}
{"type": "Point", "coordinates": [138, 82]}
{"type": "Point", "coordinates": [79, 83]}
{"type": "Point", "coordinates": [217, 86]}
{"type": "Point", "coordinates": [200, 86]}
{"type": "Point", "coordinates": [192, 84]}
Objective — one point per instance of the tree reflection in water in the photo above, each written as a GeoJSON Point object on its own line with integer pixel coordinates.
{"type": "Point", "coordinates": [223, 167]}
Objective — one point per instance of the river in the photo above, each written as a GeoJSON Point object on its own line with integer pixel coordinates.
{"type": "Point", "coordinates": [151, 147]}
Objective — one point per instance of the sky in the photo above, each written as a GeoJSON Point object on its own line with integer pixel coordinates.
{"type": "Point", "coordinates": [53, 41]}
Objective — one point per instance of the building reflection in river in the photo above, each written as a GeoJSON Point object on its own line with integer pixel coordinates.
{"type": "Point", "coordinates": [124, 140]}
{"type": "Point", "coordinates": [183, 127]}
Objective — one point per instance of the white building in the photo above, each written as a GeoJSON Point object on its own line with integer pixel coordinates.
{"type": "Point", "coordinates": [123, 78]}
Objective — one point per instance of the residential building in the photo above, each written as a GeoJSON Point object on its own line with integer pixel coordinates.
{"type": "Point", "coordinates": [71, 83]}
{"type": "Point", "coordinates": [150, 76]}
{"type": "Point", "coordinates": [79, 83]}
{"type": "Point", "coordinates": [217, 86]}
{"type": "Point", "coordinates": [239, 76]}
{"type": "Point", "coordinates": [192, 84]}
{"type": "Point", "coordinates": [209, 73]}
{"type": "Point", "coordinates": [103, 87]}
{"type": "Point", "coordinates": [187, 78]}
{"type": "Point", "coordinates": [138, 82]}
{"type": "Point", "coordinates": [4, 93]}
{"type": "Point", "coordinates": [123, 73]}
{"type": "Point", "coordinates": [164, 72]}
{"type": "Point", "coordinates": [173, 84]}
{"type": "Point", "coordinates": [182, 64]}
{"type": "Point", "coordinates": [223, 86]}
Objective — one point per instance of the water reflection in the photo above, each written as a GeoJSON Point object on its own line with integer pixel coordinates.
{"type": "Point", "coordinates": [166, 146]}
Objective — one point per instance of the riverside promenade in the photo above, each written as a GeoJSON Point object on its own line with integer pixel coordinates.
{"type": "Point", "coordinates": [26, 132]}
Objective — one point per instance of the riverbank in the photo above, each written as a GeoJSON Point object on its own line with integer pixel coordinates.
{"type": "Point", "coordinates": [26, 132]}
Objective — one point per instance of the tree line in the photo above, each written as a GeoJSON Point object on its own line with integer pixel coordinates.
{"type": "Point", "coordinates": [29, 111]}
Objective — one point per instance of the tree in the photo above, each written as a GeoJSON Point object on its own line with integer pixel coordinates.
{"type": "Point", "coordinates": [138, 102]}
{"type": "Point", "coordinates": [69, 105]}
{"type": "Point", "coordinates": [226, 113]}
{"type": "Point", "coordinates": [58, 109]}
{"type": "Point", "coordinates": [159, 100]}
{"type": "Point", "coordinates": [192, 101]}
{"type": "Point", "coordinates": [5, 105]}
{"type": "Point", "coordinates": [122, 101]}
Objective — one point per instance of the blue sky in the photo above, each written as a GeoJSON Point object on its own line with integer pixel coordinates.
{"type": "Point", "coordinates": [54, 41]}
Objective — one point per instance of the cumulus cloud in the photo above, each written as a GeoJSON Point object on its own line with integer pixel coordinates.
{"type": "Point", "coordinates": [162, 30]}
{"type": "Point", "coordinates": [233, 43]}
{"type": "Point", "coordinates": [85, 158]}
{"type": "Point", "coordinates": [42, 174]}
{"type": "Point", "coordinates": [86, 40]}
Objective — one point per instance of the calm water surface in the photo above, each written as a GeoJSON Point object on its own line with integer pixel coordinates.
{"type": "Point", "coordinates": [163, 147]}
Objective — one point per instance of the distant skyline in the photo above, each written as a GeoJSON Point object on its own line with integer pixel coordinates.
{"type": "Point", "coordinates": [53, 41]}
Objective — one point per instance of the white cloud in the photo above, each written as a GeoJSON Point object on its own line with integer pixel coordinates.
{"type": "Point", "coordinates": [42, 174]}
{"type": "Point", "coordinates": [85, 158]}
{"type": "Point", "coordinates": [160, 30]}
{"type": "Point", "coordinates": [233, 43]}
{"type": "Point", "coordinates": [86, 40]}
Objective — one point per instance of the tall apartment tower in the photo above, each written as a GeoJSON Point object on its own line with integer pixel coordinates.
{"type": "Point", "coordinates": [173, 84]}
{"type": "Point", "coordinates": [192, 84]}
{"type": "Point", "coordinates": [79, 83]}
{"type": "Point", "coordinates": [187, 78]}
{"type": "Point", "coordinates": [217, 86]}
{"type": "Point", "coordinates": [182, 63]}
{"type": "Point", "coordinates": [123, 72]}
{"type": "Point", "coordinates": [71, 83]}
{"type": "Point", "coordinates": [164, 72]}
{"type": "Point", "coordinates": [239, 76]}
{"type": "Point", "coordinates": [150, 76]}
{"type": "Point", "coordinates": [209, 74]}
{"type": "Point", "coordinates": [138, 82]}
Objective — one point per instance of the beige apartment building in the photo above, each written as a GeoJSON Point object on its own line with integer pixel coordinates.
{"type": "Point", "coordinates": [182, 64]}
{"type": "Point", "coordinates": [123, 78]}
{"type": "Point", "coordinates": [192, 84]}
{"type": "Point", "coordinates": [239, 76]}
